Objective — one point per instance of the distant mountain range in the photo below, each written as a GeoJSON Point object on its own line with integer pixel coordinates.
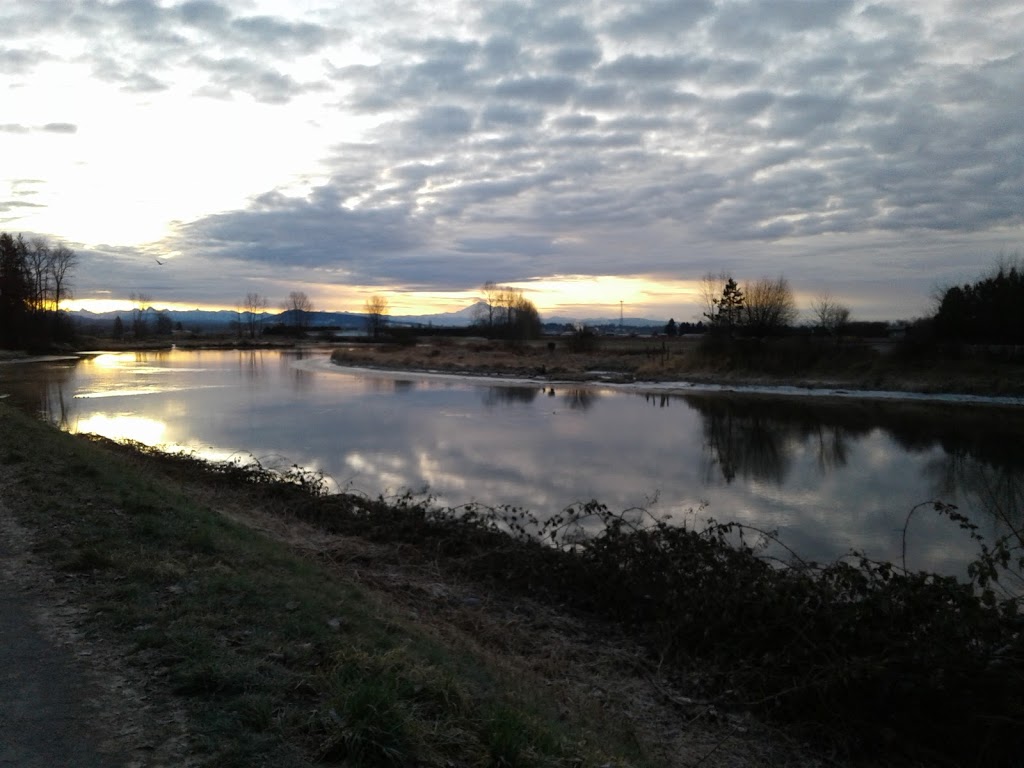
{"type": "Point", "coordinates": [202, 319]}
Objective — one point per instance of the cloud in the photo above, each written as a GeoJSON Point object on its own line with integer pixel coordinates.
{"type": "Point", "coordinates": [59, 128]}
{"type": "Point", "coordinates": [236, 74]}
{"type": "Point", "coordinates": [314, 231]}
{"type": "Point", "coordinates": [549, 90]}
{"type": "Point", "coordinates": [19, 61]}
{"type": "Point", "coordinates": [442, 122]}
{"type": "Point", "coordinates": [647, 68]}
{"type": "Point", "coordinates": [662, 20]}
{"type": "Point", "coordinates": [456, 140]}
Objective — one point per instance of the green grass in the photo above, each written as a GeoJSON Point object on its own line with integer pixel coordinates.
{"type": "Point", "coordinates": [247, 632]}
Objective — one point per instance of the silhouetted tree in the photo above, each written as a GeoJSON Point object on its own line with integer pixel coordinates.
{"type": "Point", "coordinates": [15, 290]}
{"type": "Point", "coordinates": [831, 316]}
{"type": "Point", "coordinates": [990, 310]}
{"type": "Point", "coordinates": [34, 279]}
{"type": "Point", "coordinates": [62, 262]}
{"type": "Point", "coordinates": [768, 307]}
{"type": "Point", "coordinates": [726, 312]}
{"type": "Point", "coordinates": [254, 305]}
{"type": "Point", "coordinates": [508, 313]}
{"type": "Point", "coordinates": [140, 320]}
{"type": "Point", "coordinates": [376, 309]}
{"type": "Point", "coordinates": [164, 324]}
{"type": "Point", "coordinates": [485, 309]}
{"type": "Point", "coordinates": [670, 327]}
{"type": "Point", "coordinates": [298, 308]}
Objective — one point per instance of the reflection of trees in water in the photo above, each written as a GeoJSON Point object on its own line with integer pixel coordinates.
{"type": "Point", "coordinates": [748, 445]}
{"type": "Point", "coordinates": [493, 396]}
{"type": "Point", "coordinates": [981, 461]}
{"type": "Point", "coordinates": [386, 385]}
{"type": "Point", "coordinates": [54, 406]}
{"type": "Point", "coordinates": [301, 380]}
{"type": "Point", "coordinates": [580, 398]}
{"type": "Point", "coordinates": [152, 355]}
{"type": "Point", "coordinates": [251, 363]}
{"type": "Point", "coordinates": [997, 490]}
{"type": "Point", "coordinates": [758, 437]}
{"type": "Point", "coordinates": [659, 401]}
{"type": "Point", "coordinates": [43, 389]}
{"type": "Point", "coordinates": [833, 448]}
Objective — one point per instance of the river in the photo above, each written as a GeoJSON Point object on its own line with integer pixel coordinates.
{"type": "Point", "coordinates": [827, 474]}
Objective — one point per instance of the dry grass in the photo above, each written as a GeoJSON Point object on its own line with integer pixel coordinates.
{"type": "Point", "coordinates": [796, 362]}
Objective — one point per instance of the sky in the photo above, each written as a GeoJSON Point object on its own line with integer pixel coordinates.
{"type": "Point", "coordinates": [589, 152]}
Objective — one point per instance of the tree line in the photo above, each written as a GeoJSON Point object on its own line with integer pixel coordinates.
{"type": "Point", "coordinates": [506, 313]}
{"type": "Point", "coordinates": [987, 311]}
{"type": "Point", "coordinates": [764, 307]}
{"type": "Point", "coordinates": [35, 277]}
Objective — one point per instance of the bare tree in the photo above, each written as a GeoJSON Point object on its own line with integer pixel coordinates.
{"type": "Point", "coordinates": [523, 320]}
{"type": "Point", "coordinates": [376, 309]}
{"type": "Point", "coordinates": [254, 307]}
{"type": "Point", "coordinates": [298, 306]}
{"type": "Point", "coordinates": [38, 256]}
{"type": "Point", "coordinates": [485, 313]}
{"type": "Point", "coordinates": [830, 314]}
{"type": "Point", "coordinates": [140, 310]}
{"type": "Point", "coordinates": [508, 313]}
{"type": "Point", "coordinates": [768, 306]}
{"type": "Point", "coordinates": [63, 261]}
{"type": "Point", "coordinates": [711, 287]}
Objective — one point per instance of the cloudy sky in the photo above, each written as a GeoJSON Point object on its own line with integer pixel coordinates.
{"type": "Point", "coordinates": [588, 151]}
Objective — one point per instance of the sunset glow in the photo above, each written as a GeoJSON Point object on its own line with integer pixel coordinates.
{"type": "Point", "coordinates": [598, 156]}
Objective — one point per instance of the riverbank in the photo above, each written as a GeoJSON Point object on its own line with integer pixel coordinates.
{"type": "Point", "coordinates": [217, 623]}
{"type": "Point", "coordinates": [676, 365]}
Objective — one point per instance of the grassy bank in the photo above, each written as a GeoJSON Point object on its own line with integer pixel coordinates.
{"type": "Point", "coordinates": [277, 658]}
{"type": "Point", "coordinates": [341, 629]}
{"type": "Point", "coordinates": [795, 361]}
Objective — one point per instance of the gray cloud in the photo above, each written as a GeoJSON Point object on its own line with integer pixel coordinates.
{"type": "Point", "coordinates": [741, 131]}
{"type": "Point", "coordinates": [646, 68]}
{"type": "Point", "coordinates": [231, 75]}
{"type": "Point", "coordinates": [539, 90]}
{"type": "Point", "coordinates": [445, 122]}
{"type": "Point", "coordinates": [59, 128]}
{"type": "Point", "coordinates": [16, 61]}
{"type": "Point", "coordinates": [661, 19]}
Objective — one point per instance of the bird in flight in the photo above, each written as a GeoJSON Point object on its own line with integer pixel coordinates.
{"type": "Point", "coordinates": [158, 261]}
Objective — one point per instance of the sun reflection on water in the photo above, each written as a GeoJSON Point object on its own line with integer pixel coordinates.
{"type": "Point", "coordinates": [140, 429]}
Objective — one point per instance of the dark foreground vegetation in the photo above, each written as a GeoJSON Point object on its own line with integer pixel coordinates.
{"type": "Point", "coordinates": [866, 659]}
{"type": "Point", "coordinates": [277, 659]}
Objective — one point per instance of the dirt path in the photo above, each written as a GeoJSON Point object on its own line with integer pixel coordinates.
{"type": "Point", "coordinates": [68, 699]}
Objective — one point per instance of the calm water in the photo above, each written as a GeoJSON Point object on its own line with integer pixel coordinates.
{"type": "Point", "coordinates": [827, 475]}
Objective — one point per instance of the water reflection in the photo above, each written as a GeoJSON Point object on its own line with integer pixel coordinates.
{"type": "Point", "coordinates": [494, 396]}
{"type": "Point", "coordinates": [139, 429]}
{"type": "Point", "coordinates": [975, 453]}
{"type": "Point", "coordinates": [658, 400]}
{"type": "Point", "coordinates": [250, 364]}
{"type": "Point", "coordinates": [580, 398]}
{"type": "Point", "coordinates": [740, 439]}
{"type": "Point", "coordinates": [828, 475]}
{"type": "Point", "coordinates": [300, 378]}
